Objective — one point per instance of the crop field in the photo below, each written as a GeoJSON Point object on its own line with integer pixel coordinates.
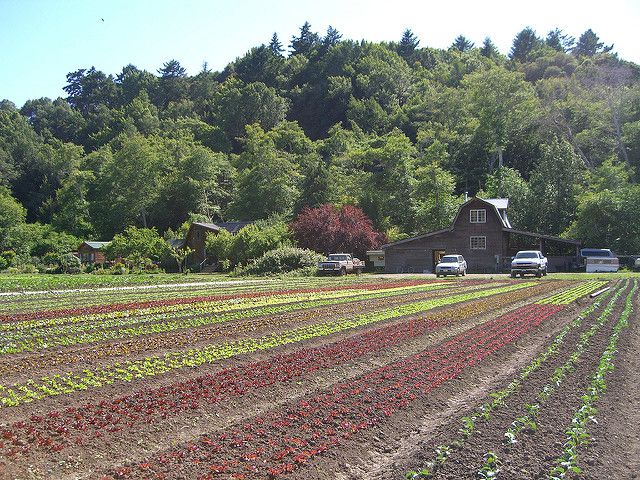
{"type": "Point", "coordinates": [340, 378]}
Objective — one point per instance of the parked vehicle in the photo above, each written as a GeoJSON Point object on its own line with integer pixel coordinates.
{"type": "Point", "coordinates": [451, 265]}
{"type": "Point", "coordinates": [340, 264]}
{"type": "Point", "coordinates": [599, 260]}
{"type": "Point", "coordinates": [529, 262]}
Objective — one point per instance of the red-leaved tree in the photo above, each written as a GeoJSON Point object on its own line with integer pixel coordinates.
{"type": "Point", "coordinates": [328, 229]}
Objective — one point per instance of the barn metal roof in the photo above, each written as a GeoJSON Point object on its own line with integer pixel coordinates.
{"type": "Point", "coordinates": [208, 226]}
{"type": "Point", "coordinates": [97, 245]}
{"type": "Point", "coordinates": [499, 203]}
{"type": "Point", "coordinates": [231, 227]}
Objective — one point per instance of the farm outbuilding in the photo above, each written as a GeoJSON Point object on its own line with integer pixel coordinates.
{"type": "Point", "coordinates": [375, 260]}
{"type": "Point", "coordinates": [482, 233]}
{"type": "Point", "coordinates": [91, 252]}
{"type": "Point", "coordinates": [196, 238]}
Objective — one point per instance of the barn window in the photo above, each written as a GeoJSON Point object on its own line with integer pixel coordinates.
{"type": "Point", "coordinates": [478, 243]}
{"type": "Point", "coordinates": [478, 216]}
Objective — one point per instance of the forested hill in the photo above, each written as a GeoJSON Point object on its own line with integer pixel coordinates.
{"type": "Point", "coordinates": [399, 129]}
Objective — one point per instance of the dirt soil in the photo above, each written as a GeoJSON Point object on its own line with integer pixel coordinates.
{"type": "Point", "coordinates": [614, 449]}
{"type": "Point", "coordinates": [613, 453]}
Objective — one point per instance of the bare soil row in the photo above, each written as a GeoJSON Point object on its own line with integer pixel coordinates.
{"type": "Point", "coordinates": [535, 451]}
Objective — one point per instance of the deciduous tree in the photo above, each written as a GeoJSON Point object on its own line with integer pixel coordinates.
{"type": "Point", "coordinates": [328, 229]}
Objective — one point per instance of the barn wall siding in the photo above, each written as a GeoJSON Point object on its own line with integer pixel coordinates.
{"type": "Point", "coordinates": [417, 255]}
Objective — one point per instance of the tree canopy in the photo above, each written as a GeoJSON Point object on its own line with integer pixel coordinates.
{"type": "Point", "coordinates": [398, 130]}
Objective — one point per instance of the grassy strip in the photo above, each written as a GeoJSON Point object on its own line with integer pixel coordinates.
{"type": "Point", "coordinates": [442, 452]}
{"type": "Point", "coordinates": [577, 434]}
{"type": "Point", "coordinates": [151, 366]}
{"type": "Point", "coordinates": [13, 282]}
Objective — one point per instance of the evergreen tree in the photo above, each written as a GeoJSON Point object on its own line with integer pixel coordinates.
{"type": "Point", "coordinates": [172, 69]}
{"type": "Point", "coordinates": [259, 65]}
{"type": "Point", "coordinates": [589, 44]}
{"type": "Point", "coordinates": [89, 89]}
{"type": "Point", "coordinates": [489, 49]}
{"type": "Point", "coordinates": [275, 46]}
{"type": "Point", "coordinates": [306, 42]}
{"type": "Point", "coordinates": [525, 42]}
{"type": "Point", "coordinates": [559, 41]}
{"type": "Point", "coordinates": [331, 38]}
{"type": "Point", "coordinates": [131, 81]}
{"type": "Point", "coordinates": [172, 84]}
{"type": "Point", "coordinates": [462, 44]}
{"type": "Point", "coordinates": [408, 44]}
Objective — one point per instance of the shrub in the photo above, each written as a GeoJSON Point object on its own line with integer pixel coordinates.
{"type": "Point", "coordinates": [70, 263]}
{"type": "Point", "coordinates": [26, 268]}
{"type": "Point", "coordinates": [138, 246]}
{"type": "Point", "coordinates": [282, 260]}
{"type": "Point", "coordinates": [249, 243]}
{"type": "Point", "coordinates": [3, 264]}
{"type": "Point", "coordinates": [10, 257]}
{"type": "Point", "coordinates": [119, 269]}
{"type": "Point", "coordinates": [51, 258]}
{"type": "Point", "coordinates": [258, 238]}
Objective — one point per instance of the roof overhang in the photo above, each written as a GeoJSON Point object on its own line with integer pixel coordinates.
{"type": "Point", "coordinates": [411, 239]}
{"type": "Point", "coordinates": [541, 236]}
{"type": "Point", "coordinates": [207, 226]}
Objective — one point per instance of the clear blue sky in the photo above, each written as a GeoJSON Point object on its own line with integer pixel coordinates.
{"type": "Point", "coordinates": [43, 40]}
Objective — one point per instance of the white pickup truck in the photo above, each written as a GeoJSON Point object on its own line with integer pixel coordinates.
{"type": "Point", "coordinates": [529, 261]}
{"type": "Point", "coordinates": [340, 264]}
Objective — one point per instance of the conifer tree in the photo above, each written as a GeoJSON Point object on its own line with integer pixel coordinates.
{"type": "Point", "coordinates": [408, 44]}
{"type": "Point", "coordinates": [462, 44]}
{"type": "Point", "coordinates": [305, 43]}
{"type": "Point", "coordinates": [275, 46]}
{"type": "Point", "coordinates": [589, 44]}
{"type": "Point", "coordinates": [489, 49]}
{"type": "Point", "coordinates": [331, 38]}
{"type": "Point", "coordinates": [525, 42]}
{"type": "Point", "coordinates": [559, 41]}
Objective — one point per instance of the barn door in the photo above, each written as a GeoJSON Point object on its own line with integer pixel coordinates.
{"type": "Point", "coordinates": [437, 256]}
